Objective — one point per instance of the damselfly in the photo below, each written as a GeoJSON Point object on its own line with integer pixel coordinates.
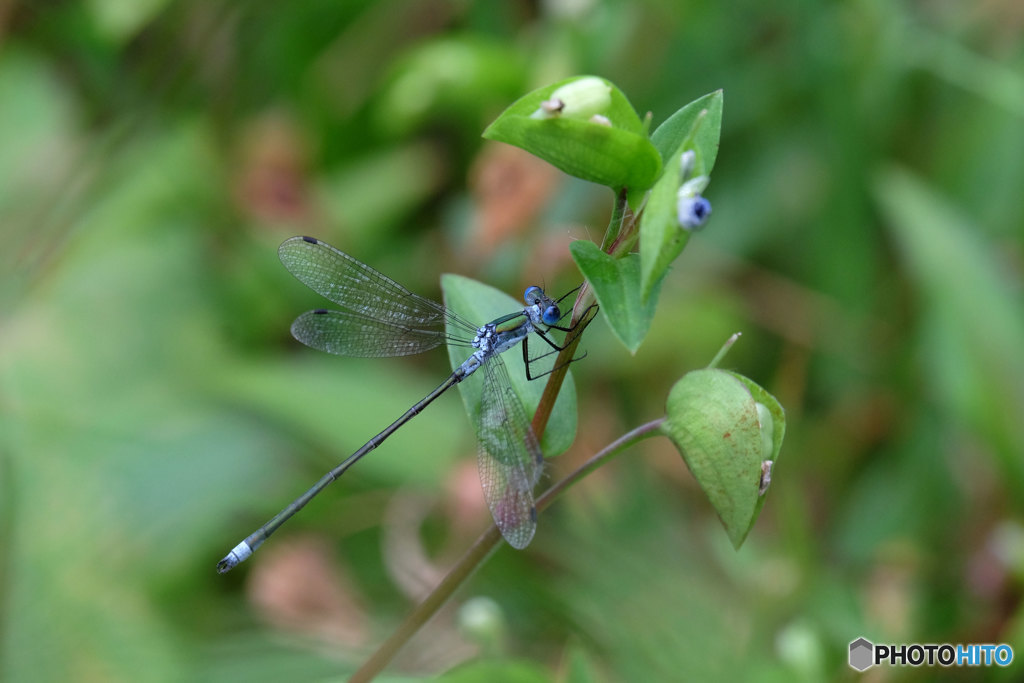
{"type": "Point", "coordinates": [380, 317]}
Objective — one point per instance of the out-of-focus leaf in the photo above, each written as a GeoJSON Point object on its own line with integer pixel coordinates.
{"type": "Point", "coordinates": [337, 404]}
{"type": "Point", "coordinates": [372, 194]}
{"type": "Point", "coordinates": [35, 122]}
{"type": "Point", "coordinates": [579, 666]}
{"type": "Point", "coordinates": [619, 155]}
{"type": "Point", "coordinates": [974, 330]}
{"type": "Point", "coordinates": [121, 20]}
{"type": "Point", "coordinates": [616, 284]}
{"type": "Point", "coordinates": [479, 304]}
{"type": "Point", "coordinates": [36, 136]}
{"type": "Point", "coordinates": [687, 612]}
{"type": "Point", "coordinates": [106, 437]}
{"type": "Point", "coordinates": [712, 417]}
{"type": "Point", "coordinates": [500, 671]}
{"type": "Point", "coordinates": [450, 76]}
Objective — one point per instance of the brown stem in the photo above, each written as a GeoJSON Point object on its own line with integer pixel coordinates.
{"type": "Point", "coordinates": [618, 239]}
{"type": "Point", "coordinates": [478, 552]}
{"type": "Point", "coordinates": [621, 230]}
{"type": "Point", "coordinates": [583, 312]}
{"type": "Point", "coordinates": [421, 614]}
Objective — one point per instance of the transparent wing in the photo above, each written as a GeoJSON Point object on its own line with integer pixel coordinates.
{"type": "Point", "coordinates": [346, 334]}
{"type": "Point", "coordinates": [509, 458]}
{"type": "Point", "coordinates": [359, 289]}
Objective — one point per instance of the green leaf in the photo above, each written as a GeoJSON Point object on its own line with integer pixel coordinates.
{"type": "Point", "coordinates": [616, 284]}
{"type": "Point", "coordinates": [618, 156]}
{"type": "Point", "coordinates": [778, 413]}
{"type": "Point", "coordinates": [713, 420]}
{"type": "Point", "coordinates": [771, 450]}
{"type": "Point", "coordinates": [661, 237]}
{"type": "Point", "coordinates": [479, 304]}
{"type": "Point", "coordinates": [694, 127]}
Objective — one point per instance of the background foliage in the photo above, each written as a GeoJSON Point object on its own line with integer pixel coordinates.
{"type": "Point", "coordinates": [866, 239]}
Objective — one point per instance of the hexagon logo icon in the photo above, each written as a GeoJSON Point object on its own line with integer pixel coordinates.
{"type": "Point", "coordinates": [861, 651]}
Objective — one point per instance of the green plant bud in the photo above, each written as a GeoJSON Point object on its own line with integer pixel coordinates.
{"type": "Point", "coordinates": [580, 99]}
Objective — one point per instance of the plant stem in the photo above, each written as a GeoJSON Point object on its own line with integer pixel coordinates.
{"type": "Point", "coordinates": [621, 229]}
{"type": "Point", "coordinates": [619, 237]}
{"type": "Point", "coordinates": [421, 614]}
{"type": "Point", "coordinates": [480, 550]}
{"type": "Point", "coordinates": [605, 454]}
{"type": "Point", "coordinates": [724, 350]}
{"type": "Point", "coordinates": [583, 312]}
{"type": "Point", "coordinates": [620, 213]}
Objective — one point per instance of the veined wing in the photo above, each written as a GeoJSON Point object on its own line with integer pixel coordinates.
{"type": "Point", "coordinates": [360, 289]}
{"type": "Point", "coordinates": [347, 334]}
{"type": "Point", "coordinates": [509, 457]}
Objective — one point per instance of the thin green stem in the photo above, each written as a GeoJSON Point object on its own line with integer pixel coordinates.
{"type": "Point", "coordinates": [620, 214]}
{"type": "Point", "coordinates": [601, 457]}
{"type": "Point", "coordinates": [480, 550]}
{"type": "Point", "coordinates": [620, 241]}
{"type": "Point", "coordinates": [724, 350]}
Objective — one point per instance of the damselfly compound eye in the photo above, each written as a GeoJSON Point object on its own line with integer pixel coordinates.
{"type": "Point", "coordinates": [551, 315]}
{"type": "Point", "coordinates": [533, 295]}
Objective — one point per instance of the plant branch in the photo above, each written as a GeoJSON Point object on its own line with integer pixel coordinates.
{"type": "Point", "coordinates": [621, 228]}
{"type": "Point", "coordinates": [480, 550]}
{"type": "Point", "coordinates": [583, 313]}
{"type": "Point", "coordinates": [619, 237]}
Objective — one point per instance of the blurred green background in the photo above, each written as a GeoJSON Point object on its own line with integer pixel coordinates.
{"type": "Point", "coordinates": [866, 239]}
